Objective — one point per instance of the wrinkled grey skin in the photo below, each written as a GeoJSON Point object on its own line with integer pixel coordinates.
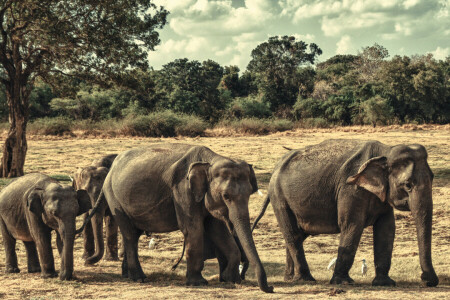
{"type": "Point", "coordinates": [30, 208]}
{"type": "Point", "coordinates": [168, 187]}
{"type": "Point", "coordinates": [91, 179]}
{"type": "Point", "coordinates": [343, 186]}
{"type": "Point", "coordinates": [210, 251]}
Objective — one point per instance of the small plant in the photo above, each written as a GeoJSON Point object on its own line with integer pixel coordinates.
{"type": "Point", "coordinates": [51, 126]}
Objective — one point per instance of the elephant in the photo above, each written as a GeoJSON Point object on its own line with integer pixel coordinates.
{"type": "Point", "coordinates": [167, 187]}
{"type": "Point", "coordinates": [343, 186]}
{"type": "Point", "coordinates": [210, 251]}
{"type": "Point", "coordinates": [91, 179]}
{"type": "Point", "coordinates": [30, 208]}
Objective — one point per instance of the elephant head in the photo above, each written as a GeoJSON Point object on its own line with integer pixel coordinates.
{"type": "Point", "coordinates": [404, 179]}
{"type": "Point", "coordinates": [91, 179]}
{"type": "Point", "coordinates": [58, 206]}
{"type": "Point", "coordinates": [225, 186]}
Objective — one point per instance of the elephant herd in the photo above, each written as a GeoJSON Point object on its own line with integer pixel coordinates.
{"type": "Point", "coordinates": [337, 186]}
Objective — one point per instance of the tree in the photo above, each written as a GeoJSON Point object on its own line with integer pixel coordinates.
{"type": "Point", "coordinates": [93, 40]}
{"type": "Point", "coordinates": [276, 62]}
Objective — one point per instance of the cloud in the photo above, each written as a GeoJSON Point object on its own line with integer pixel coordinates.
{"type": "Point", "coordinates": [345, 45]}
{"type": "Point", "coordinates": [441, 53]}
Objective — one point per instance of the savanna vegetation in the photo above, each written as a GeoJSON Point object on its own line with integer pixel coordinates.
{"type": "Point", "coordinates": [61, 156]}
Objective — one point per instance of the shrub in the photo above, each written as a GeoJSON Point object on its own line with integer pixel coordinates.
{"type": "Point", "coordinates": [312, 123]}
{"type": "Point", "coordinates": [51, 126]}
{"type": "Point", "coordinates": [258, 126]}
{"type": "Point", "coordinates": [249, 107]}
{"type": "Point", "coordinates": [164, 123]}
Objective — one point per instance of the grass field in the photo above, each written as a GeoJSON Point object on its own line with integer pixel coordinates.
{"type": "Point", "coordinates": [60, 157]}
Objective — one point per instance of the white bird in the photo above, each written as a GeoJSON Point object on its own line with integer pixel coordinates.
{"type": "Point", "coordinates": [151, 244]}
{"type": "Point", "coordinates": [241, 267]}
{"type": "Point", "coordinates": [332, 264]}
{"type": "Point", "coordinates": [363, 267]}
{"type": "Point", "coordinates": [260, 193]}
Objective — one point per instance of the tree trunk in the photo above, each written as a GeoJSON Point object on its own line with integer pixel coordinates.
{"type": "Point", "coordinates": [15, 147]}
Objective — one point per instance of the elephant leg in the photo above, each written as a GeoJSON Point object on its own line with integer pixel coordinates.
{"type": "Point", "coordinates": [289, 268]}
{"type": "Point", "coordinates": [383, 243]}
{"type": "Point", "coordinates": [88, 240]}
{"type": "Point", "coordinates": [222, 260]}
{"type": "Point", "coordinates": [348, 245]}
{"type": "Point", "coordinates": [59, 243]}
{"type": "Point", "coordinates": [219, 234]}
{"type": "Point", "coordinates": [32, 257]}
{"type": "Point", "coordinates": [193, 236]}
{"type": "Point", "coordinates": [244, 258]}
{"type": "Point", "coordinates": [294, 237]}
{"type": "Point", "coordinates": [131, 268]}
{"type": "Point", "coordinates": [111, 237]}
{"type": "Point", "coordinates": [9, 243]}
{"type": "Point", "coordinates": [42, 237]}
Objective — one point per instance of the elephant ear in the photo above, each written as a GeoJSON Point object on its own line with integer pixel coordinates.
{"type": "Point", "coordinates": [372, 176]}
{"type": "Point", "coordinates": [253, 181]}
{"type": "Point", "coordinates": [84, 202]}
{"type": "Point", "coordinates": [34, 201]}
{"type": "Point", "coordinates": [198, 179]}
{"type": "Point", "coordinates": [76, 178]}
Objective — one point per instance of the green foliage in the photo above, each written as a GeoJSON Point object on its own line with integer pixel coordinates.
{"type": "Point", "coordinates": [312, 123]}
{"type": "Point", "coordinates": [164, 123]}
{"type": "Point", "coordinates": [249, 107]}
{"type": "Point", "coordinates": [376, 111]}
{"type": "Point", "coordinates": [50, 126]}
{"type": "Point", "coordinates": [275, 64]}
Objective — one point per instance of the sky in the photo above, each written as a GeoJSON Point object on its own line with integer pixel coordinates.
{"type": "Point", "coordinates": [226, 31]}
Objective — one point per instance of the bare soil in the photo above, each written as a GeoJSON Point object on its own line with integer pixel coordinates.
{"type": "Point", "coordinates": [61, 156]}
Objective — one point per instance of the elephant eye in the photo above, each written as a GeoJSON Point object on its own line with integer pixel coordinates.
{"type": "Point", "coordinates": [408, 186]}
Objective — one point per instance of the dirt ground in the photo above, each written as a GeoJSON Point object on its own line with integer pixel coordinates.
{"type": "Point", "coordinates": [61, 156]}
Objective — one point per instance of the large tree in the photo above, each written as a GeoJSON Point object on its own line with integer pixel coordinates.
{"type": "Point", "coordinates": [92, 40]}
{"type": "Point", "coordinates": [276, 62]}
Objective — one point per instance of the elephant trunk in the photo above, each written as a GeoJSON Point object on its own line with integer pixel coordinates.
{"type": "Point", "coordinates": [97, 228]}
{"type": "Point", "coordinates": [241, 222]}
{"type": "Point", "coordinates": [421, 205]}
{"type": "Point", "coordinates": [67, 233]}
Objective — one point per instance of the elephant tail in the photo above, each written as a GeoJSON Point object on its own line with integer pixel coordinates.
{"type": "Point", "coordinates": [99, 201]}
{"type": "Point", "coordinates": [287, 148]}
{"type": "Point", "coordinates": [261, 214]}
{"type": "Point", "coordinates": [181, 258]}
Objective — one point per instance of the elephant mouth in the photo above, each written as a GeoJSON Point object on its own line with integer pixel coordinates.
{"type": "Point", "coordinates": [402, 205]}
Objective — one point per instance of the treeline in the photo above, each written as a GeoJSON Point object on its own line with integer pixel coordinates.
{"type": "Point", "coordinates": [282, 81]}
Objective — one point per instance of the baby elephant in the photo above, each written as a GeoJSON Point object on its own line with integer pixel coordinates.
{"type": "Point", "coordinates": [91, 179]}
{"type": "Point", "coordinates": [30, 208]}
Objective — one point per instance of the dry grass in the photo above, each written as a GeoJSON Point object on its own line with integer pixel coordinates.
{"type": "Point", "coordinates": [61, 156]}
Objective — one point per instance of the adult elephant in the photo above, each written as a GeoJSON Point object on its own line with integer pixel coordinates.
{"type": "Point", "coordinates": [168, 187]}
{"type": "Point", "coordinates": [91, 179]}
{"type": "Point", "coordinates": [31, 207]}
{"type": "Point", "coordinates": [342, 186]}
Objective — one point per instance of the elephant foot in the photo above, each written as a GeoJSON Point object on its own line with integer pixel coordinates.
{"type": "Point", "coordinates": [34, 269]}
{"type": "Point", "coordinates": [383, 281]}
{"type": "Point", "coordinates": [49, 274]}
{"type": "Point", "coordinates": [10, 269]}
{"type": "Point", "coordinates": [341, 280]}
{"type": "Point", "coordinates": [303, 277]}
{"type": "Point", "coordinates": [230, 277]}
{"type": "Point", "coordinates": [136, 275]}
{"type": "Point", "coordinates": [288, 277]}
{"type": "Point", "coordinates": [65, 275]}
{"type": "Point", "coordinates": [430, 279]}
{"type": "Point", "coordinates": [111, 257]}
{"type": "Point", "coordinates": [196, 281]}
{"type": "Point", "coordinates": [86, 255]}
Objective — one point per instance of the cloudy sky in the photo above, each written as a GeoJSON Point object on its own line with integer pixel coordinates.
{"type": "Point", "coordinates": [228, 30]}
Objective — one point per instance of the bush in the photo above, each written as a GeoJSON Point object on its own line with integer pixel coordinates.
{"type": "Point", "coordinates": [249, 107]}
{"type": "Point", "coordinates": [164, 123]}
{"type": "Point", "coordinates": [258, 126]}
{"type": "Point", "coordinates": [312, 123]}
{"type": "Point", "coordinates": [51, 126]}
